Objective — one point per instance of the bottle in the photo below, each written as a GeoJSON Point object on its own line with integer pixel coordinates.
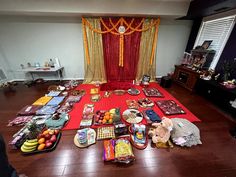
{"type": "Point", "coordinates": [51, 63]}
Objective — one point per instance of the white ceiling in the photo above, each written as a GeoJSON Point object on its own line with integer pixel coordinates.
{"type": "Point", "coordinates": [165, 8]}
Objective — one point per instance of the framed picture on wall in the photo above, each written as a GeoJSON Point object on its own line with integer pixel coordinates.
{"type": "Point", "coordinates": [206, 44]}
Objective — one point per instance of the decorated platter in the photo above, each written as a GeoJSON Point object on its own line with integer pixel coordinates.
{"type": "Point", "coordinates": [119, 92]}
{"type": "Point", "coordinates": [133, 91]}
{"type": "Point", "coordinates": [132, 116]}
{"type": "Point", "coordinates": [145, 103]}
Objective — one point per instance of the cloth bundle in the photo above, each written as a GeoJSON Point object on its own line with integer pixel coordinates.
{"type": "Point", "coordinates": [185, 133]}
{"type": "Point", "coordinates": [20, 120]}
{"type": "Point", "coordinates": [45, 110]}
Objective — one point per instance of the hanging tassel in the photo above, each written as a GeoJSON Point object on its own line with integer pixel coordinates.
{"type": "Point", "coordinates": [154, 42]}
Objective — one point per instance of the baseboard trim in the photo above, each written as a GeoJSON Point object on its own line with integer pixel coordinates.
{"type": "Point", "coordinates": [64, 79]}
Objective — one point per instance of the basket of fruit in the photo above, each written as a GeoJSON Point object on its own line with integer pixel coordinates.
{"type": "Point", "coordinates": [103, 117]}
{"type": "Point", "coordinates": [45, 142]}
{"type": "Point", "coordinates": [107, 117]}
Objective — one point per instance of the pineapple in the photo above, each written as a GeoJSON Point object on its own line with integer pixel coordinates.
{"type": "Point", "coordinates": [33, 130]}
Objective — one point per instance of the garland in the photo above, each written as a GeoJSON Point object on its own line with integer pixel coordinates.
{"type": "Point", "coordinates": [114, 30]}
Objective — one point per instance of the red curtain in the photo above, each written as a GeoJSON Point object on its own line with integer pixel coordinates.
{"type": "Point", "coordinates": [111, 52]}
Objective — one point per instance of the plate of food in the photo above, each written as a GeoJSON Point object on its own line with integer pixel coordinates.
{"type": "Point", "coordinates": [119, 92]}
{"type": "Point", "coordinates": [145, 103]}
{"type": "Point", "coordinates": [132, 116]}
{"type": "Point", "coordinates": [133, 91]}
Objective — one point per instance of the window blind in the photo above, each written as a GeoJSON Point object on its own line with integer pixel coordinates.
{"type": "Point", "coordinates": [217, 31]}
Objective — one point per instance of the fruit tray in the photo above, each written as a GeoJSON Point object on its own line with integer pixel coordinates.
{"type": "Point", "coordinates": [53, 147]}
{"type": "Point", "coordinates": [103, 117]}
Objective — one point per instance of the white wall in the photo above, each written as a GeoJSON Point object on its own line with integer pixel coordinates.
{"type": "Point", "coordinates": [96, 8]}
{"type": "Point", "coordinates": [172, 40]}
{"type": "Point", "coordinates": [36, 39]}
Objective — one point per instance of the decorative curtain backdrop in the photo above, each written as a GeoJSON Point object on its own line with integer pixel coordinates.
{"type": "Point", "coordinates": [147, 54]}
{"type": "Point", "coordinates": [117, 44]}
{"type": "Point", "coordinates": [94, 66]}
{"type": "Point", "coordinates": [111, 50]}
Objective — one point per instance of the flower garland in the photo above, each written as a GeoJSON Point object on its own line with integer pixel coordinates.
{"type": "Point", "coordinates": [115, 31]}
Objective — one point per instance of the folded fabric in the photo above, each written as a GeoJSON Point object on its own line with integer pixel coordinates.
{"type": "Point", "coordinates": [47, 110]}
{"type": "Point", "coordinates": [65, 108]}
{"type": "Point", "coordinates": [73, 99]}
{"type": "Point", "coordinates": [53, 93]}
{"type": "Point", "coordinates": [185, 133]}
{"type": "Point", "coordinates": [55, 122]}
{"type": "Point", "coordinates": [29, 110]}
{"type": "Point", "coordinates": [20, 120]}
{"type": "Point", "coordinates": [40, 119]}
{"type": "Point", "coordinates": [55, 100]}
{"type": "Point", "coordinates": [42, 101]}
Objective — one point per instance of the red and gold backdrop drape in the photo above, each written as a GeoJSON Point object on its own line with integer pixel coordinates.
{"type": "Point", "coordinates": [111, 50]}
{"type": "Point", "coordinates": [125, 50]}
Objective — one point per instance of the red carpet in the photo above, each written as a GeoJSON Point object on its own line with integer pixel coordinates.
{"type": "Point", "coordinates": [116, 86]}
{"type": "Point", "coordinates": [120, 101]}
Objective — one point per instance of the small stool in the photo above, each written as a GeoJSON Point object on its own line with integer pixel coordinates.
{"type": "Point", "coordinates": [166, 81]}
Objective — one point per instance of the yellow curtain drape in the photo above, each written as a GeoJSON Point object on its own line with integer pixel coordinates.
{"type": "Point", "coordinates": [93, 51]}
{"type": "Point", "coordinates": [147, 51]}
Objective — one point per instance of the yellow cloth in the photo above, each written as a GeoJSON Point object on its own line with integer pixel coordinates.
{"type": "Point", "coordinates": [94, 91]}
{"type": "Point", "coordinates": [43, 100]}
{"type": "Point", "coordinates": [93, 50]}
{"type": "Point", "coordinates": [147, 53]}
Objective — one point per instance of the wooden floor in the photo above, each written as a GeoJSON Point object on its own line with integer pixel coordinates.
{"type": "Point", "coordinates": [216, 157]}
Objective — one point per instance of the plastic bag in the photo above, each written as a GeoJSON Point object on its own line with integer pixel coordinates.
{"type": "Point", "coordinates": [109, 150]}
{"type": "Point", "coordinates": [123, 151]}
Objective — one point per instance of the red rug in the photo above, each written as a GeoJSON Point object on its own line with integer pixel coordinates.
{"type": "Point", "coordinates": [115, 101]}
{"type": "Point", "coordinates": [116, 86]}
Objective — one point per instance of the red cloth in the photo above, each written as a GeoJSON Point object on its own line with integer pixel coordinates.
{"type": "Point", "coordinates": [115, 101]}
{"type": "Point", "coordinates": [116, 86]}
{"type": "Point", "coordinates": [111, 43]}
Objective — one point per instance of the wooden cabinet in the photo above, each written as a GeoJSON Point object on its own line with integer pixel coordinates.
{"type": "Point", "coordinates": [218, 94]}
{"type": "Point", "coordinates": [186, 77]}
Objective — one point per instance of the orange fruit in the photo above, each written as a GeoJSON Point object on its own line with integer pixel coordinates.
{"type": "Point", "coordinates": [104, 121]}
{"type": "Point", "coordinates": [107, 117]}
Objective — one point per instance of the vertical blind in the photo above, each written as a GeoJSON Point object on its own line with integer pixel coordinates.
{"type": "Point", "coordinates": [217, 31]}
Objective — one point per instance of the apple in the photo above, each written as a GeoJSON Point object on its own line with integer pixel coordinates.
{"type": "Point", "coordinates": [51, 132]}
{"type": "Point", "coordinates": [47, 136]}
{"type": "Point", "coordinates": [56, 132]}
{"type": "Point", "coordinates": [40, 136]}
{"type": "Point", "coordinates": [53, 138]}
{"type": "Point", "coordinates": [48, 145]}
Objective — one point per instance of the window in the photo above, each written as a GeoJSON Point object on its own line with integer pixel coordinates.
{"type": "Point", "coordinates": [218, 30]}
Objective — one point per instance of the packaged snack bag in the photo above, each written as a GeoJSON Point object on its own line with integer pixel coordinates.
{"type": "Point", "coordinates": [109, 151]}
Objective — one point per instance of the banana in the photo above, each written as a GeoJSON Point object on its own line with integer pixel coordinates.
{"type": "Point", "coordinates": [32, 141]}
{"type": "Point", "coordinates": [27, 149]}
{"type": "Point", "coordinates": [28, 144]}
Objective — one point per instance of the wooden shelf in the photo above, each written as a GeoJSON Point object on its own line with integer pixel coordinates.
{"type": "Point", "coordinates": [185, 77]}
